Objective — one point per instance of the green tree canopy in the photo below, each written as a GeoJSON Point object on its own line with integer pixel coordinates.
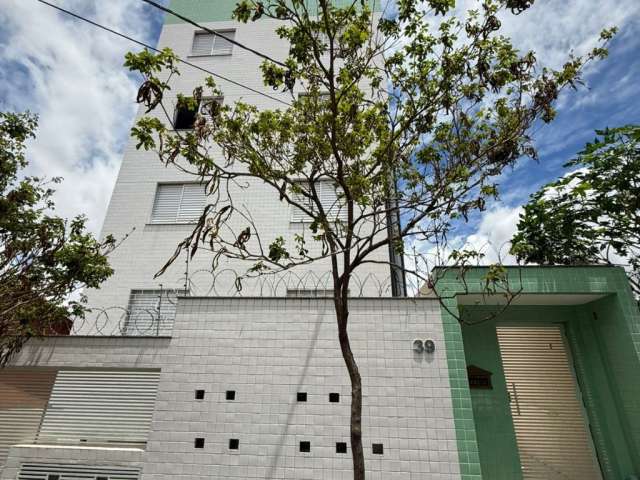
{"type": "Point", "coordinates": [592, 214]}
{"type": "Point", "coordinates": [44, 259]}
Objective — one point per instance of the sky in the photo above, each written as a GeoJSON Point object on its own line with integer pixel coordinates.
{"type": "Point", "coordinates": [71, 75]}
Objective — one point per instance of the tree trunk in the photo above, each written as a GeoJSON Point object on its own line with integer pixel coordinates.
{"type": "Point", "coordinates": [342, 316]}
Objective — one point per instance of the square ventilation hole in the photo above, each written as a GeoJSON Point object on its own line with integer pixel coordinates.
{"type": "Point", "coordinates": [334, 397]}
{"type": "Point", "coordinates": [199, 394]}
{"type": "Point", "coordinates": [198, 443]}
{"type": "Point", "coordinates": [234, 444]}
{"type": "Point", "coordinates": [341, 447]}
{"type": "Point", "coordinates": [378, 449]}
{"type": "Point", "coordinates": [305, 446]}
{"type": "Point", "coordinates": [302, 396]}
{"type": "Point", "coordinates": [231, 395]}
{"type": "Point", "coordinates": [53, 477]}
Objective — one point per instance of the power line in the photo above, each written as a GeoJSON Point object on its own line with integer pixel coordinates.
{"type": "Point", "coordinates": [213, 32]}
{"type": "Point", "coordinates": [145, 45]}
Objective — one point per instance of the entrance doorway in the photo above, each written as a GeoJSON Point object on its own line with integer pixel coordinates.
{"type": "Point", "coordinates": [550, 424]}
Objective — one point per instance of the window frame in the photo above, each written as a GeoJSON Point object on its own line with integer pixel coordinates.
{"type": "Point", "coordinates": [176, 220]}
{"type": "Point", "coordinates": [198, 111]}
{"type": "Point", "coordinates": [212, 52]}
{"type": "Point", "coordinates": [298, 217]}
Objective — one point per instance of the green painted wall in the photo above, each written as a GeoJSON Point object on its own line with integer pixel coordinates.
{"type": "Point", "coordinates": [606, 353]}
{"type": "Point", "coordinates": [497, 446]}
{"type": "Point", "coordinates": [221, 10]}
{"type": "Point", "coordinates": [609, 374]}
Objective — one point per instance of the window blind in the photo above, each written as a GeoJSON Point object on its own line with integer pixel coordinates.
{"type": "Point", "coordinates": [329, 199]}
{"type": "Point", "coordinates": [205, 44]}
{"type": "Point", "coordinates": [150, 313]}
{"type": "Point", "coordinates": [178, 203]}
{"type": "Point", "coordinates": [24, 393]}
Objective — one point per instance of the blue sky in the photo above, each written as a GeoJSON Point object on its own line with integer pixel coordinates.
{"type": "Point", "coordinates": [71, 75]}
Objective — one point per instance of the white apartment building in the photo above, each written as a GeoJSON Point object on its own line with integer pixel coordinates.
{"type": "Point", "coordinates": [192, 380]}
{"type": "Point", "coordinates": [158, 206]}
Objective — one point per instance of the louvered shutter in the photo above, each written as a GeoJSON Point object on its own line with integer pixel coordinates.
{"type": "Point", "coordinates": [166, 203]}
{"type": "Point", "coordinates": [151, 313]}
{"type": "Point", "coordinates": [178, 203]}
{"type": "Point", "coordinates": [202, 44]}
{"type": "Point", "coordinates": [551, 432]}
{"type": "Point", "coordinates": [41, 471]}
{"type": "Point", "coordinates": [100, 407]}
{"type": "Point", "coordinates": [297, 215]}
{"type": "Point", "coordinates": [328, 194]}
{"type": "Point", "coordinates": [192, 203]}
{"type": "Point", "coordinates": [222, 46]}
{"type": "Point", "coordinates": [24, 393]}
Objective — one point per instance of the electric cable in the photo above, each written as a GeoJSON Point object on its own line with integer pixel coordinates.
{"type": "Point", "coordinates": [145, 45]}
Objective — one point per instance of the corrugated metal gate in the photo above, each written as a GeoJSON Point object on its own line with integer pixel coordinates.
{"type": "Point", "coordinates": [548, 416]}
{"type": "Point", "coordinates": [24, 393]}
{"type": "Point", "coordinates": [100, 407]}
{"type": "Point", "coordinates": [49, 471]}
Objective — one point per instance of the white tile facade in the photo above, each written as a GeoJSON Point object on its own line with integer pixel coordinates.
{"type": "Point", "coordinates": [268, 350]}
{"type": "Point", "coordinates": [150, 245]}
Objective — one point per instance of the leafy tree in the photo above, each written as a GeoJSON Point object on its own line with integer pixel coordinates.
{"type": "Point", "coordinates": [410, 118]}
{"type": "Point", "coordinates": [590, 213]}
{"type": "Point", "coordinates": [44, 259]}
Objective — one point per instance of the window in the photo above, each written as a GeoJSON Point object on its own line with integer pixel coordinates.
{"type": "Point", "coordinates": [334, 397]}
{"type": "Point", "coordinates": [305, 446]}
{"type": "Point", "coordinates": [207, 44]}
{"type": "Point", "coordinates": [323, 96]}
{"type": "Point", "coordinates": [234, 443]}
{"type": "Point", "coordinates": [377, 448]}
{"type": "Point", "coordinates": [198, 442]}
{"type": "Point", "coordinates": [341, 447]}
{"type": "Point", "coordinates": [185, 116]}
{"type": "Point", "coordinates": [309, 292]}
{"type": "Point", "coordinates": [231, 395]}
{"type": "Point", "coordinates": [178, 203]}
{"type": "Point", "coordinates": [199, 394]}
{"type": "Point", "coordinates": [150, 313]}
{"type": "Point", "coordinates": [328, 194]}
{"type": "Point", "coordinates": [324, 38]}
{"type": "Point", "coordinates": [209, 105]}
{"type": "Point", "coordinates": [302, 396]}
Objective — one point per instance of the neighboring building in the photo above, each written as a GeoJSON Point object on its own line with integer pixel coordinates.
{"type": "Point", "coordinates": [200, 383]}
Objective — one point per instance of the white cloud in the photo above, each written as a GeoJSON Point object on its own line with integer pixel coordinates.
{"type": "Point", "coordinates": [71, 75]}
{"type": "Point", "coordinates": [494, 233]}
{"type": "Point", "coordinates": [554, 28]}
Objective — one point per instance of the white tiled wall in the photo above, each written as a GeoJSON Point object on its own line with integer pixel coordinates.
{"type": "Point", "coordinates": [267, 350]}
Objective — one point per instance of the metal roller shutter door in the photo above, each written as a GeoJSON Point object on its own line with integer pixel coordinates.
{"type": "Point", "coordinates": [551, 431]}
{"type": "Point", "coordinates": [100, 407]}
{"type": "Point", "coordinates": [41, 471]}
{"type": "Point", "coordinates": [24, 393]}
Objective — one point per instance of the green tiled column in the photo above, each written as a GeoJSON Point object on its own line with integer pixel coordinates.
{"type": "Point", "coordinates": [460, 394]}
